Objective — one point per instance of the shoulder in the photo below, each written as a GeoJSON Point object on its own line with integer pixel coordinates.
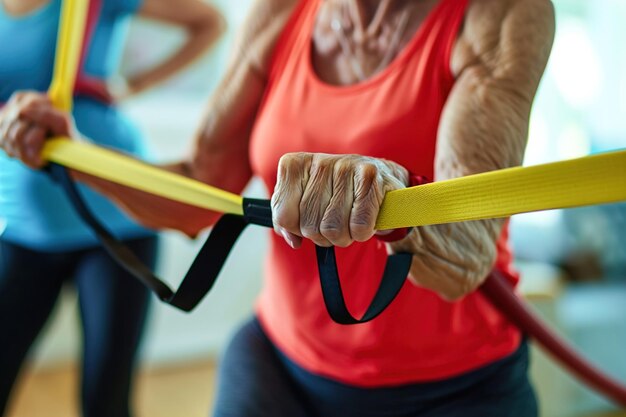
{"type": "Point", "coordinates": [500, 34]}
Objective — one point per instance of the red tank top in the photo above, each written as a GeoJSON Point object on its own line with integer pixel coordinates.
{"type": "Point", "coordinates": [393, 115]}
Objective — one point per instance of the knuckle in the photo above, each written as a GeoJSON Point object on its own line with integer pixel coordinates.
{"type": "Point", "coordinates": [310, 230]}
{"type": "Point", "coordinates": [369, 170]}
{"type": "Point", "coordinates": [361, 232]}
{"type": "Point", "coordinates": [362, 223]}
{"type": "Point", "coordinates": [343, 166]}
{"type": "Point", "coordinates": [283, 219]}
{"type": "Point", "coordinates": [24, 109]}
{"type": "Point", "coordinates": [332, 232]}
{"type": "Point", "coordinates": [334, 227]}
{"type": "Point", "coordinates": [280, 216]}
{"type": "Point", "coordinates": [337, 237]}
{"type": "Point", "coordinates": [285, 160]}
{"type": "Point", "coordinates": [18, 96]}
{"type": "Point", "coordinates": [291, 159]}
{"type": "Point", "coordinates": [331, 227]}
{"type": "Point", "coordinates": [316, 236]}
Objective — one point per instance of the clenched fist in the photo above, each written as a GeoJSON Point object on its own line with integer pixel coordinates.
{"type": "Point", "coordinates": [26, 121]}
{"type": "Point", "coordinates": [331, 199]}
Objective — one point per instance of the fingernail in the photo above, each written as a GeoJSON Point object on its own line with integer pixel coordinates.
{"type": "Point", "coordinates": [288, 238]}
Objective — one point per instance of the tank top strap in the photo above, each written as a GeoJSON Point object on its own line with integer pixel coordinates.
{"type": "Point", "coordinates": [444, 22]}
{"type": "Point", "coordinates": [454, 17]}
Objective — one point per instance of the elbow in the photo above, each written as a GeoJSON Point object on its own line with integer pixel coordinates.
{"type": "Point", "coordinates": [467, 283]}
{"type": "Point", "coordinates": [471, 277]}
{"type": "Point", "coordinates": [210, 25]}
{"type": "Point", "coordinates": [452, 280]}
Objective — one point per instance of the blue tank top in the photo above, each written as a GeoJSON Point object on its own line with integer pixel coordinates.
{"type": "Point", "coordinates": [34, 209]}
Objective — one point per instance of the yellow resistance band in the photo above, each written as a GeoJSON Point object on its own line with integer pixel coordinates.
{"type": "Point", "coordinates": [595, 179]}
{"type": "Point", "coordinates": [101, 162]}
{"type": "Point", "coordinates": [590, 180]}
{"type": "Point", "coordinates": [69, 46]}
{"type": "Point", "coordinates": [130, 172]}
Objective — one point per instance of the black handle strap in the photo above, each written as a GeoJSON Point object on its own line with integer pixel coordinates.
{"type": "Point", "coordinates": [203, 271]}
{"type": "Point", "coordinates": [211, 258]}
{"type": "Point", "coordinates": [394, 276]}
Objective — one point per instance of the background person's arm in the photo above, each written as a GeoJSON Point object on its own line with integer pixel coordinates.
{"type": "Point", "coordinates": [203, 25]}
{"type": "Point", "coordinates": [498, 60]}
{"type": "Point", "coordinates": [220, 156]}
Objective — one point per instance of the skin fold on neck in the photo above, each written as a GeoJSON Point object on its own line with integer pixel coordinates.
{"type": "Point", "coordinates": [354, 40]}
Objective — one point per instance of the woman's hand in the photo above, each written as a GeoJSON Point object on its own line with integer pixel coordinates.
{"type": "Point", "coordinates": [331, 199]}
{"type": "Point", "coordinates": [26, 121]}
{"type": "Point", "coordinates": [29, 119]}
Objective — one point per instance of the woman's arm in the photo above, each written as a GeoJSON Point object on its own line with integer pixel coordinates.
{"type": "Point", "coordinates": [335, 199]}
{"type": "Point", "coordinates": [203, 25]}
{"type": "Point", "coordinates": [499, 60]}
{"type": "Point", "coordinates": [220, 155]}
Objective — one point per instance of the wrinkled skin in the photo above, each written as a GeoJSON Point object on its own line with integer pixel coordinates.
{"type": "Point", "coordinates": [497, 61]}
{"type": "Point", "coordinates": [331, 199]}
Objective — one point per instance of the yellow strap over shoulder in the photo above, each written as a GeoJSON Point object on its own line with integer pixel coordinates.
{"type": "Point", "coordinates": [590, 180]}
{"type": "Point", "coordinates": [103, 163]}
{"type": "Point", "coordinates": [69, 46]}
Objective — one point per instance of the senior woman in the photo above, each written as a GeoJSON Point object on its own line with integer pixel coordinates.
{"type": "Point", "coordinates": [333, 103]}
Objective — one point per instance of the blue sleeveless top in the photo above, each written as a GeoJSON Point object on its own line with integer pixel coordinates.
{"type": "Point", "coordinates": [35, 211]}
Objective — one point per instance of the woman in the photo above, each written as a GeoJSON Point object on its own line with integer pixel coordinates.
{"type": "Point", "coordinates": [333, 103]}
{"type": "Point", "coordinates": [44, 244]}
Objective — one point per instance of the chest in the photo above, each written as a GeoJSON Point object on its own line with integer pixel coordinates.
{"type": "Point", "coordinates": [26, 56]}
{"type": "Point", "coordinates": [392, 115]}
{"type": "Point", "coordinates": [395, 119]}
{"type": "Point", "coordinates": [353, 41]}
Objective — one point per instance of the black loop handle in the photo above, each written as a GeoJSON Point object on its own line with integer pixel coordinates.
{"type": "Point", "coordinates": [211, 258]}
{"type": "Point", "coordinates": [201, 275]}
{"type": "Point", "coordinates": [394, 276]}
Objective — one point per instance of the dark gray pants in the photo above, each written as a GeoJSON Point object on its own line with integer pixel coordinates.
{"type": "Point", "coordinates": [257, 380]}
{"type": "Point", "coordinates": [113, 308]}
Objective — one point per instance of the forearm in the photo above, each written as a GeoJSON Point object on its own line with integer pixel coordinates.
{"type": "Point", "coordinates": [484, 126]}
{"type": "Point", "coordinates": [220, 153]}
{"type": "Point", "coordinates": [484, 130]}
{"type": "Point", "coordinates": [151, 210]}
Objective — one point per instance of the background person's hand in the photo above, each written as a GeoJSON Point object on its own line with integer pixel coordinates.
{"type": "Point", "coordinates": [26, 121]}
{"type": "Point", "coordinates": [331, 199]}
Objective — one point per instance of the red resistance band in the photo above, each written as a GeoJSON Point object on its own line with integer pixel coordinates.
{"type": "Point", "coordinates": [86, 85]}
{"type": "Point", "coordinates": [499, 292]}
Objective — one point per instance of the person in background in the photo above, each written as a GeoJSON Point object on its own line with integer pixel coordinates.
{"type": "Point", "coordinates": [333, 103]}
{"type": "Point", "coordinates": [44, 244]}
